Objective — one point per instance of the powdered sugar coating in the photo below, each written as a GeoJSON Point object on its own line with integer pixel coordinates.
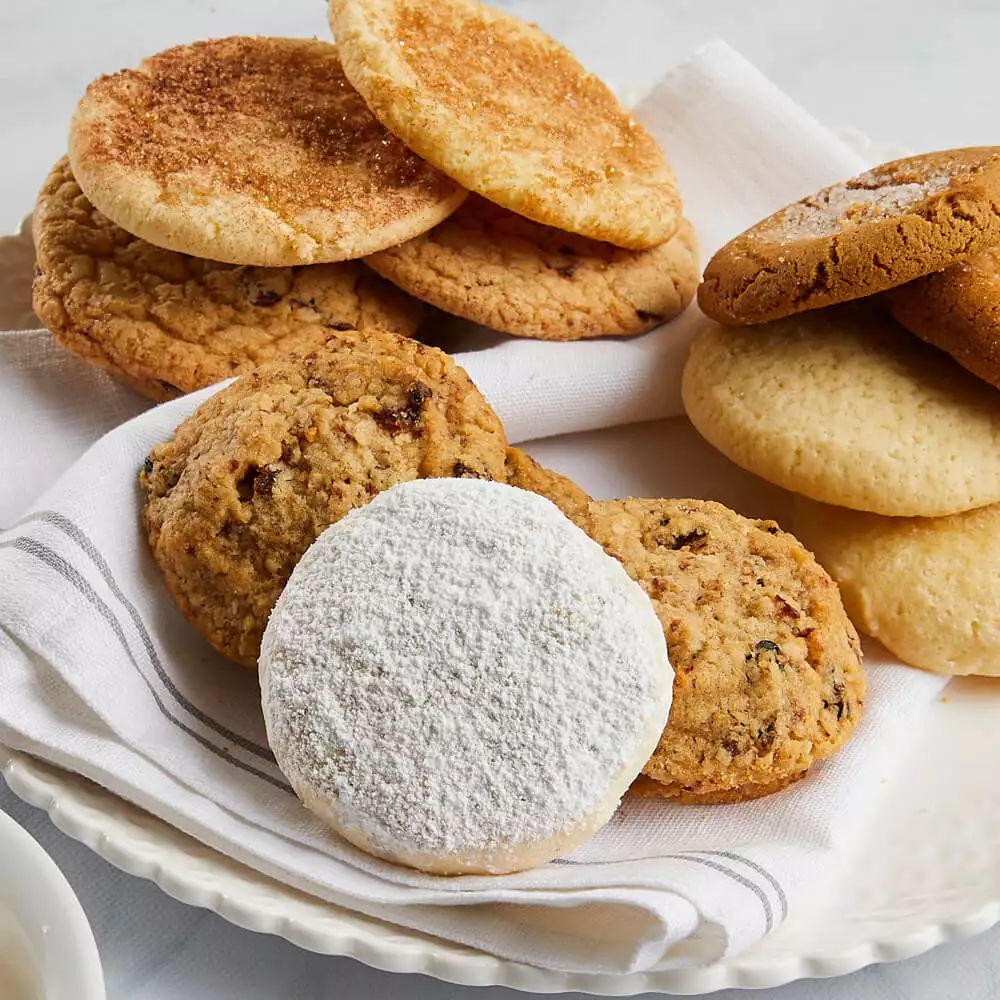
{"type": "Point", "coordinates": [455, 673]}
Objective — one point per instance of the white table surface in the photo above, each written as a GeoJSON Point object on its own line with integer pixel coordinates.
{"type": "Point", "coordinates": [916, 72]}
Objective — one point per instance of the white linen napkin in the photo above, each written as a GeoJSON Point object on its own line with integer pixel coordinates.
{"type": "Point", "coordinates": [99, 672]}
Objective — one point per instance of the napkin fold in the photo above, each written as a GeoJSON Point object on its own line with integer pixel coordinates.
{"type": "Point", "coordinates": [99, 673]}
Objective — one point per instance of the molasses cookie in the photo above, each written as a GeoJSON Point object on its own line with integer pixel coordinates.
{"type": "Point", "coordinates": [887, 226]}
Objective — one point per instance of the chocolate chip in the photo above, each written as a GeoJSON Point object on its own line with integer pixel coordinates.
{"type": "Point", "coordinates": [341, 327]}
{"type": "Point", "coordinates": [264, 483]}
{"type": "Point", "coordinates": [766, 735]}
{"type": "Point", "coordinates": [147, 466]}
{"type": "Point", "coordinates": [731, 746]}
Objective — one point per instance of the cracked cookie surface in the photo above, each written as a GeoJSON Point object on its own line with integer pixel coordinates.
{"type": "Point", "coordinates": [509, 113]}
{"type": "Point", "coordinates": [167, 323]}
{"type": "Point", "coordinates": [845, 406]}
{"type": "Point", "coordinates": [958, 310]}
{"type": "Point", "coordinates": [521, 277]}
{"type": "Point", "coordinates": [889, 225]}
{"type": "Point", "coordinates": [251, 151]}
{"type": "Point", "coordinates": [768, 676]}
{"type": "Point", "coordinates": [253, 477]}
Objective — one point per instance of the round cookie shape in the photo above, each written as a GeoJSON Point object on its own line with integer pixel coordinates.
{"type": "Point", "coordinates": [251, 151]}
{"type": "Point", "coordinates": [926, 588]}
{"type": "Point", "coordinates": [526, 474]}
{"type": "Point", "coordinates": [510, 114]}
{"type": "Point", "coordinates": [521, 277]}
{"type": "Point", "coordinates": [768, 675]}
{"type": "Point", "coordinates": [260, 469]}
{"type": "Point", "coordinates": [475, 700]}
{"type": "Point", "coordinates": [958, 310]}
{"type": "Point", "coordinates": [168, 323]}
{"type": "Point", "coordinates": [846, 407]}
{"type": "Point", "coordinates": [889, 225]}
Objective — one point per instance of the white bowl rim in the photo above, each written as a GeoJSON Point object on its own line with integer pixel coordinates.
{"type": "Point", "coordinates": [43, 903]}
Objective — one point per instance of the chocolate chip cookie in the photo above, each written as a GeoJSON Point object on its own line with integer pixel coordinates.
{"type": "Point", "coordinates": [768, 675]}
{"type": "Point", "coordinates": [261, 468]}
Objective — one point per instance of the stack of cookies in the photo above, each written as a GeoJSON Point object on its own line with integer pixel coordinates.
{"type": "Point", "coordinates": [217, 201]}
{"type": "Point", "coordinates": [815, 381]}
{"type": "Point", "coordinates": [279, 210]}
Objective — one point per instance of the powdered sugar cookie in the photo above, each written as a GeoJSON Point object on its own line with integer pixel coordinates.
{"type": "Point", "coordinates": [475, 700]}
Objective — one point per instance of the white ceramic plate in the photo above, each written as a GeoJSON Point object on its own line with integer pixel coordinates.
{"type": "Point", "coordinates": [928, 870]}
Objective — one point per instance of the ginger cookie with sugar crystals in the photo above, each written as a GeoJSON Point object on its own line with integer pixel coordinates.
{"type": "Point", "coordinates": [845, 406]}
{"type": "Point", "coordinates": [261, 468]}
{"type": "Point", "coordinates": [475, 700]}
{"type": "Point", "coordinates": [767, 665]}
{"type": "Point", "coordinates": [889, 225]}
{"type": "Point", "coordinates": [507, 112]}
{"type": "Point", "coordinates": [511, 274]}
{"type": "Point", "coordinates": [166, 323]}
{"type": "Point", "coordinates": [251, 151]}
{"type": "Point", "coordinates": [526, 474]}
{"type": "Point", "coordinates": [926, 587]}
{"type": "Point", "coordinates": [958, 310]}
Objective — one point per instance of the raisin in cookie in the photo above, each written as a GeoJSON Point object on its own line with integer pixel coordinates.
{"type": "Point", "coordinates": [511, 274]}
{"type": "Point", "coordinates": [251, 151]}
{"type": "Point", "coordinates": [166, 323]}
{"type": "Point", "coordinates": [887, 226]}
{"type": "Point", "coordinates": [250, 480]}
{"type": "Point", "coordinates": [768, 675]}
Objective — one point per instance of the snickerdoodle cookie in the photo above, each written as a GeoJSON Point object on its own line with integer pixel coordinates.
{"type": "Point", "coordinates": [510, 114]}
{"type": "Point", "coordinates": [926, 587]}
{"type": "Point", "coordinates": [845, 406]}
{"type": "Point", "coordinates": [511, 274]}
{"type": "Point", "coordinates": [167, 323]}
{"type": "Point", "coordinates": [958, 310]}
{"type": "Point", "coordinates": [889, 225]}
{"type": "Point", "coordinates": [250, 480]}
{"type": "Point", "coordinates": [768, 675]}
{"type": "Point", "coordinates": [251, 151]}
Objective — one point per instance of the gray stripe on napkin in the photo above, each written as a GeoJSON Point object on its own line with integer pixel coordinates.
{"type": "Point", "coordinates": [77, 535]}
{"type": "Point", "coordinates": [761, 870]}
{"type": "Point", "coordinates": [56, 562]}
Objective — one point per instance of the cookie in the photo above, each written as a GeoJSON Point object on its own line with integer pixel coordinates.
{"type": "Point", "coordinates": [526, 474]}
{"type": "Point", "coordinates": [926, 588]}
{"type": "Point", "coordinates": [958, 310]}
{"type": "Point", "coordinates": [167, 323]}
{"type": "Point", "coordinates": [887, 226]}
{"type": "Point", "coordinates": [510, 274]}
{"type": "Point", "coordinates": [510, 114]}
{"type": "Point", "coordinates": [768, 675]}
{"type": "Point", "coordinates": [475, 700]}
{"type": "Point", "coordinates": [253, 477]}
{"type": "Point", "coordinates": [846, 407]}
{"type": "Point", "coordinates": [251, 151]}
